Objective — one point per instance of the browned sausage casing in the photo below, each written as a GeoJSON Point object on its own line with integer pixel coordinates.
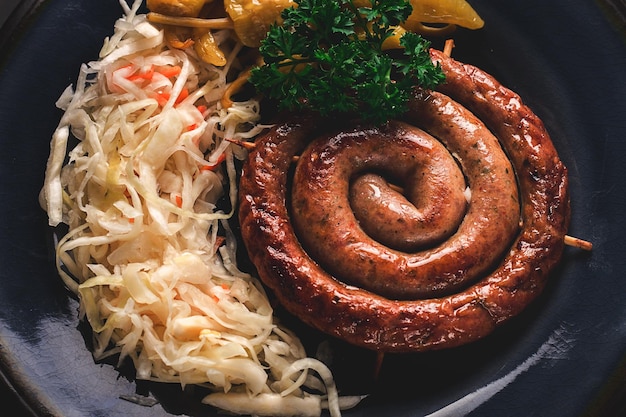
{"type": "Point", "coordinates": [417, 311]}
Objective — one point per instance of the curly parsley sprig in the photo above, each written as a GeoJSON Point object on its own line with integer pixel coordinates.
{"type": "Point", "coordinates": [327, 56]}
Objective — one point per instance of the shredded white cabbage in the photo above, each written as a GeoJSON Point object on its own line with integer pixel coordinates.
{"type": "Point", "coordinates": [148, 251]}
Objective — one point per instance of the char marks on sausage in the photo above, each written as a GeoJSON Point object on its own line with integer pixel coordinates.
{"type": "Point", "coordinates": [488, 261]}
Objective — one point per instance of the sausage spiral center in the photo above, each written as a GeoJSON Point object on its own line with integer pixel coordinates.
{"type": "Point", "coordinates": [315, 239]}
{"type": "Point", "coordinates": [368, 161]}
{"type": "Point", "coordinates": [426, 213]}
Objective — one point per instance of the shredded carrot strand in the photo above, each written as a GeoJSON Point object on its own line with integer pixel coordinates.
{"type": "Point", "coordinates": [183, 95]}
{"type": "Point", "coordinates": [211, 167]}
{"type": "Point", "coordinates": [142, 76]}
{"type": "Point", "coordinates": [219, 240]}
{"type": "Point", "coordinates": [169, 71]}
{"type": "Point", "coordinates": [191, 127]}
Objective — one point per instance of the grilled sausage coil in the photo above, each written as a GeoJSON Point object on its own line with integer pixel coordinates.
{"type": "Point", "coordinates": [483, 259]}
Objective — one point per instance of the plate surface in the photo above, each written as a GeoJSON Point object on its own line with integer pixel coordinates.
{"type": "Point", "coordinates": [565, 356]}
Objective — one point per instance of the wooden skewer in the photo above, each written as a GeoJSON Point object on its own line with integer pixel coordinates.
{"type": "Point", "coordinates": [378, 364]}
{"type": "Point", "coordinates": [447, 48]}
{"type": "Point", "coordinates": [247, 145]}
{"type": "Point", "coordinates": [578, 243]}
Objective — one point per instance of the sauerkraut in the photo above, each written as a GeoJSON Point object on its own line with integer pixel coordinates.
{"type": "Point", "coordinates": [141, 170]}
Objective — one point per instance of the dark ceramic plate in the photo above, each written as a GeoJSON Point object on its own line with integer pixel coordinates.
{"type": "Point", "coordinates": [564, 356]}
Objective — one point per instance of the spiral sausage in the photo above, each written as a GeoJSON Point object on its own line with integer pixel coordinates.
{"type": "Point", "coordinates": [326, 226]}
{"type": "Point", "coordinates": [455, 301]}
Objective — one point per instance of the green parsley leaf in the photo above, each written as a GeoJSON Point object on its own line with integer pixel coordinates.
{"type": "Point", "coordinates": [327, 57]}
